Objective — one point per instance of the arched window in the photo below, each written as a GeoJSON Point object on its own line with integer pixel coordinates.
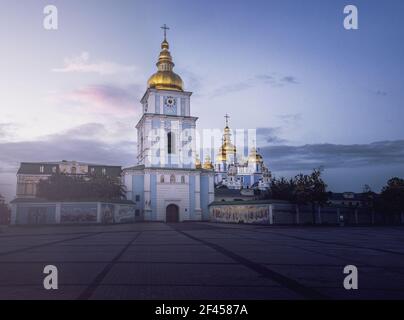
{"type": "Point", "coordinates": [172, 178]}
{"type": "Point", "coordinates": [170, 142]}
{"type": "Point", "coordinates": [182, 179]}
{"type": "Point", "coordinates": [162, 179]}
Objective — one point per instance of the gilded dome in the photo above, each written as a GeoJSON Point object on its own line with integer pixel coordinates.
{"type": "Point", "coordinates": [227, 148]}
{"type": "Point", "coordinates": [207, 165]}
{"type": "Point", "coordinates": [221, 156]}
{"type": "Point", "coordinates": [198, 164]}
{"type": "Point", "coordinates": [165, 78]}
{"type": "Point", "coordinates": [255, 156]}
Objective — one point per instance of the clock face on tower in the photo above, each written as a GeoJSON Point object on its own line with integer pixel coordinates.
{"type": "Point", "coordinates": [170, 105]}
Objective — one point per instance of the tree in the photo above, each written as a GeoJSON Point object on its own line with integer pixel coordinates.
{"type": "Point", "coordinates": [65, 187]}
{"type": "Point", "coordinates": [310, 189]}
{"type": "Point", "coordinates": [392, 197]}
{"type": "Point", "coordinates": [303, 189]}
{"type": "Point", "coordinates": [282, 189]}
{"type": "Point", "coordinates": [4, 211]}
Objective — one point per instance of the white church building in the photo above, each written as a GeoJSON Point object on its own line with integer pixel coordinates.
{"type": "Point", "coordinates": [168, 183]}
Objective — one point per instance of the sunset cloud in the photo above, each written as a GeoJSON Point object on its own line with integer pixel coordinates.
{"type": "Point", "coordinates": [83, 63]}
{"type": "Point", "coordinates": [103, 98]}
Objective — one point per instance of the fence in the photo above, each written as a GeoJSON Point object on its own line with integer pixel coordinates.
{"type": "Point", "coordinates": [45, 212]}
{"type": "Point", "coordinates": [285, 213]}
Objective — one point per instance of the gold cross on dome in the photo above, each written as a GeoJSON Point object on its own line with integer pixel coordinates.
{"type": "Point", "coordinates": [165, 28]}
{"type": "Point", "coordinates": [227, 119]}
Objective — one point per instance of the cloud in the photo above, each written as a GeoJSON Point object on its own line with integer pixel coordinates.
{"type": "Point", "coordinates": [7, 130]}
{"type": "Point", "coordinates": [85, 131]}
{"type": "Point", "coordinates": [269, 135]}
{"type": "Point", "coordinates": [381, 93]}
{"type": "Point", "coordinates": [106, 98]}
{"type": "Point", "coordinates": [73, 145]}
{"type": "Point", "coordinates": [83, 64]}
{"type": "Point", "coordinates": [289, 79]}
{"type": "Point", "coordinates": [284, 157]}
{"type": "Point", "coordinates": [272, 80]}
{"type": "Point", "coordinates": [290, 119]}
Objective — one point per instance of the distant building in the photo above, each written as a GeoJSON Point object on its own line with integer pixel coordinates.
{"type": "Point", "coordinates": [347, 199]}
{"type": "Point", "coordinates": [31, 173]}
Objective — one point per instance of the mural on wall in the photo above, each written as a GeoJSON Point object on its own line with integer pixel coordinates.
{"type": "Point", "coordinates": [240, 214]}
{"type": "Point", "coordinates": [125, 214]}
{"type": "Point", "coordinates": [78, 214]}
{"type": "Point", "coordinates": [107, 213]}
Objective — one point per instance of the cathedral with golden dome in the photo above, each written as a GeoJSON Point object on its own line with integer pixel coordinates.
{"type": "Point", "coordinates": [234, 171]}
{"type": "Point", "coordinates": [167, 183]}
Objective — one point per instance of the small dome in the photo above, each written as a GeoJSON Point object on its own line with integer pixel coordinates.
{"type": "Point", "coordinates": [198, 164]}
{"type": "Point", "coordinates": [221, 156]}
{"type": "Point", "coordinates": [255, 156]}
{"type": "Point", "coordinates": [207, 165]}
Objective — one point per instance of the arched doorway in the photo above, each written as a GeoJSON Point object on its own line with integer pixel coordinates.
{"type": "Point", "coordinates": [172, 213]}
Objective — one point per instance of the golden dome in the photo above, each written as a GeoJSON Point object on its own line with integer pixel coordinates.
{"type": "Point", "coordinates": [255, 156]}
{"type": "Point", "coordinates": [207, 165]}
{"type": "Point", "coordinates": [227, 148]}
{"type": "Point", "coordinates": [165, 78]}
{"type": "Point", "coordinates": [221, 156]}
{"type": "Point", "coordinates": [198, 164]}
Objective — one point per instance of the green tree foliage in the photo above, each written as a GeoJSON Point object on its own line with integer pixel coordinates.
{"type": "Point", "coordinates": [392, 196]}
{"type": "Point", "coordinates": [303, 189]}
{"type": "Point", "coordinates": [310, 190]}
{"type": "Point", "coordinates": [282, 189]}
{"type": "Point", "coordinates": [64, 187]}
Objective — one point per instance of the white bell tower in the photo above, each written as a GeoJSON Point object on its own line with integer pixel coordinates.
{"type": "Point", "coordinates": [166, 130]}
{"type": "Point", "coordinates": [166, 183]}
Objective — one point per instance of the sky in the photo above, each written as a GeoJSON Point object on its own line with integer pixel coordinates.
{"type": "Point", "coordinates": [318, 94]}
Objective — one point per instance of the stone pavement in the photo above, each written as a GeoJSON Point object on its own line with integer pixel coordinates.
{"type": "Point", "coordinates": [201, 261]}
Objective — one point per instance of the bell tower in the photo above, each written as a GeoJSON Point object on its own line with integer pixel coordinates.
{"type": "Point", "coordinates": [166, 130]}
{"type": "Point", "coordinates": [168, 183]}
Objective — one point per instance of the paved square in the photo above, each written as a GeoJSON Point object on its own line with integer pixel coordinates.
{"type": "Point", "coordinates": [201, 261]}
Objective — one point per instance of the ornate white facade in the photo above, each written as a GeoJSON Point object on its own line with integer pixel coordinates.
{"type": "Point", "coordinates": [236, 172]}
